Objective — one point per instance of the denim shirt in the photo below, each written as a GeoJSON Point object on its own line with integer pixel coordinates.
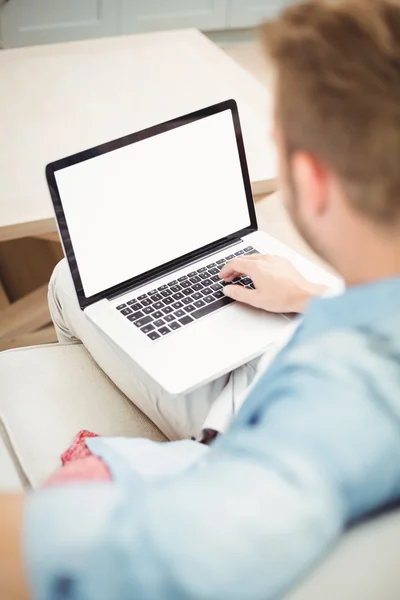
{"type": "Point", "coordinates": [315, 446]}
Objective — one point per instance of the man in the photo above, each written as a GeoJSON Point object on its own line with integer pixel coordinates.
{"type": "Point", "coordinates": [316, 444]}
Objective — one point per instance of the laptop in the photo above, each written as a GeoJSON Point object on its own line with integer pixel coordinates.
{"type": "Point", "coordinates": [147, 222]}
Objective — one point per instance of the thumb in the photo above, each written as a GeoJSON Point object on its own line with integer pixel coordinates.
{"type": "Point", "coordinates": [241, 294]}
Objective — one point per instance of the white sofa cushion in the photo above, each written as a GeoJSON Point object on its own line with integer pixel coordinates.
{"type": "Point", "coordinates": [10, 478]}
{"type": "Point", "coordinates": [48, 394]}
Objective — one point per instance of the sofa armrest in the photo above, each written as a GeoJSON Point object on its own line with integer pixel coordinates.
{"type": "Point", "coordinates": [364, 566]}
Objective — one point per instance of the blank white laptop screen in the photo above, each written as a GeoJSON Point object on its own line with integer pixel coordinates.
{"type": "Point", "coordinates": [141, 206]}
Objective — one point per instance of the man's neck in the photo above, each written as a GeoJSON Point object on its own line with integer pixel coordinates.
{"type": "Point", "coordinates": [370, 260]}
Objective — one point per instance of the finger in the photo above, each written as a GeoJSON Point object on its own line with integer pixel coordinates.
{"type": "Point", "coordinates": [231, 276]}
{"type": "Point", "coordinates": [241, 266]}
{"type": "Point", "coordinates": [242, 294]}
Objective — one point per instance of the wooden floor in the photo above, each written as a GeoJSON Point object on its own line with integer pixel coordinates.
{"type": "Point", "coordinates": [24, 276]}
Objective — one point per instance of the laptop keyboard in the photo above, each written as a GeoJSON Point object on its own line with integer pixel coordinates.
{"type": "Point", "coordinates": [183, 300]}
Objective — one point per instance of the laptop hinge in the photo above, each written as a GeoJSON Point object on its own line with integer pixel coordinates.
{"type": "Point", "coordinates": [162, 272]}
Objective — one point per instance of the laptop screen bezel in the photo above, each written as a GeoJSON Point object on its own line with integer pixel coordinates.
{"type": "Point", "coordinates": [144, 278]}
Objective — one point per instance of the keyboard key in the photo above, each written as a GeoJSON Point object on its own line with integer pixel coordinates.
{"type": "Point", "coordinates": [218, 295]}
{"type": "Point", "coordinates": [252, 252]}
{"type": "Point", "coordinates": [126, 311]}
{"type": "Point", "coordinates": [177, 305]}
{"type": "Point", "coordinates": [175, 325]}
{"type": "Point", "coordinates": [182, 278]}
{"type": "Point", "coordinates": [188, 292]}
{"type": "Point", "coordinates": [167, 310]}
{"type": "Point", "coordinates": [248, 248]}
{"type": "Point", "coordinates": [152, 292]}
{"type": "Point", "coordinates": [206, 282]}
{"type": "Point", "coordinates": [215, 278]}
{"type": "Point", "coordinates": [197, 296]}
{"type": "Point", "coordinates": [206, 291]}
{"type": "Point", "coordinates": [148, 309]}
{"type": "Point", "coordinates": [195, 279]}
{"type": "Point", "coordinates": [220, 262]}
{"type": "Point", "coordinates": [143, 322]}
{"type": "Point", "coordinates": [187, 300]}
{"type": "Point", "coordinates": [192, 274]}
{"type": "Point", "coordinates": [164, 330]}
{"type": "Point", "coordinates": [185, 320]}
{"type": "Point", "coordinates": [186, 284]}
{"type": "Point", "coordinates": [211, 266]}
{"type": "Point", "coordinates": [153, 335]}
{"type": "Point", "coordinates": [190, 308]}
{"type": "Point", "coordinates": [179, 313]}
{"type": "Point", "coordinates": [239, 252]}
{"type": "Point", "coordinates": [136, 306]}
{"type": "Point", "coordinates": [251, 285]}
{"type": "Point", "coordinates": [156, 297]}
{"type": "Point", "coordinates": [146, 301]}
{"type": "Point", "coordinates": [246, 280]}
{"type": "Point", "coordinates": [158, 305]}
{"type": "Point", "coordinates": [142, 297]}
{"type": "Point", "coordinates": [197, 287]}
{"type": "Point", "coordinates": [176, 288]}
{"type": "Point", "coordinates": [204, 275]}
{"type": "Point", "coordinates": [178, 296]}
{"type": "Point", "coordinates": [136, 315]}
{"type": "Point", "coordinates": [166, 293]}
{"type": "Point", "coordinates": [169, 318]}
{"type": "Point", "coordinates": [121, 306]}
{"type": "Point", "coordinates": [199, 303]}
{"type": "Point", "coordinates": [211, 307]}
{"type": "Point", "coordinates": [201, 270]}
{"type": "Point", "coordinates": [216, 286]}
{"type": "Point", "coordinates": [168, 300]}
{"type": "Point", "coordinates": [171, 283]}
{"type": "Point", "coordinates": [162, 287]}
{"type": "Point", "coordinates": [158, 315]}
{"type": "Point", "coordinates": [230, 257]}
{"type": "Point", "coordinates": [158, 323]}
{"type": "Point", "coordinates": [147, 328]}
{"type": "Point", "coordinates": [131, 302]}
{"type": "Point", "coordinates": [208, 299]}
{"type": "Point", "coordinates": [214, 271]}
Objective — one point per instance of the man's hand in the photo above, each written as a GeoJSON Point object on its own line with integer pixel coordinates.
{"type": "Point", "coordinates": [279, 286]}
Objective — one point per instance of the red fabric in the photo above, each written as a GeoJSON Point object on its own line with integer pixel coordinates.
{"type": "Point", "coordinates": [79, 464]}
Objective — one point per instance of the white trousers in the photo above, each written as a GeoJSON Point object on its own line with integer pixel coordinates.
{"type": "Point", "coordinates": [213, 405]}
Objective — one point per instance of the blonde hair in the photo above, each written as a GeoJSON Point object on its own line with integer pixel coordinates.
{"type": "Point", "coordinates": [338, 93]}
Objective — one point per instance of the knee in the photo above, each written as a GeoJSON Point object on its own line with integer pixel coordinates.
{"type": "Point", "coordinates": [60, 283]}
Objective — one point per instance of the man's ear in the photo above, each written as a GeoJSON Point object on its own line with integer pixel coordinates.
{"type": "Point", "coordinates": [311, 183]}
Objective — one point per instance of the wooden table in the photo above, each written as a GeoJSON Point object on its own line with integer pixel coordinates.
{"type": "Point", "coordinates": [59, 99]}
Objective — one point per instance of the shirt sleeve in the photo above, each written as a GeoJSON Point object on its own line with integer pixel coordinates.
{"type": "Point", "coordinates": [250, 519]}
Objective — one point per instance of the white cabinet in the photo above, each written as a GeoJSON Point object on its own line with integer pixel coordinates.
{"type": "Point", "coordinates": [29, 22]}
{"type": "Point", "coordinates": [247, 13]}
{"type": "Point", "coordinates": [154, 15]}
